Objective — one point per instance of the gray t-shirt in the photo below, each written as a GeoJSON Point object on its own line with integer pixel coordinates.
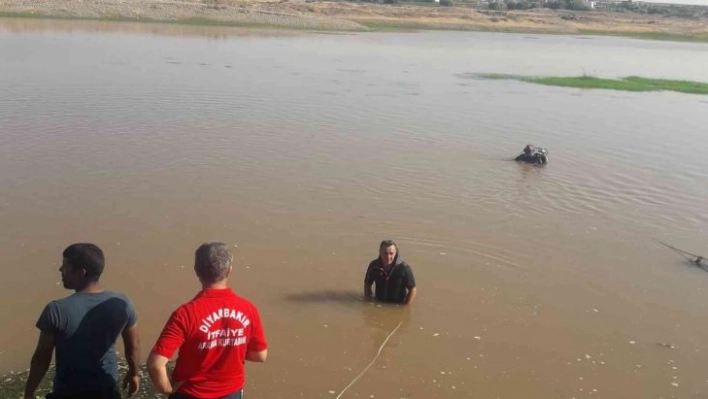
{"type": "Point", "coordinates": [85, 329]}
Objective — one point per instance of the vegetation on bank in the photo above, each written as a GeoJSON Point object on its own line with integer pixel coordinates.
{"type": "Point", "coordinates": [657, 8]}
{"type": "Point", "coordinates": [256, 21]}
{"type": "Point", "coordinates": [676, 23]}
{"type": "Point", "coordinates": [630, 83]}
{"type": "Point", "coordinates": [661, 36]}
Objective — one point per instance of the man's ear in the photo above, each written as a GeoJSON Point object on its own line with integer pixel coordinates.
{"type": "Point", "coordinates": [231, 268]}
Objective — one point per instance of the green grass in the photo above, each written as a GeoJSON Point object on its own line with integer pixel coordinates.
{"type": "Point", "coordinates": [193, 21]}
{"type": "Point", "coordinates": [189, 21]}
{"type": "Point", "coordinates": [631, 83]}
{"type": "Point", "coordinates": [663, 36]}
{"type": "Point", "coordinates": [411, 25]}
{"type": "Point", "coordinates": [400, 25]}
{"type": "Point", "coordinates": [389, 25]}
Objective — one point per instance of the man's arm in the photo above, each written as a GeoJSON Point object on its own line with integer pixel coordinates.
{"type": "Point", "coordinates": [131, 341]}
{"type": "Point", "coordinates": [368, 282]}
{"type": "Point", "coordinates": [410, 285]}
{"type": "Point", "coordinates": [170, 340]}
{"type": "Point", "coordinates": [259, 356]}
{"type": "Point", "coordinates": [40, 363]}
{"type": "Point", "coordinates": [157, 369]}
{"type": "Point", "coordinates": [368, 294]}
{"type": "Point", "coordinates": [412, 292]}
{"type": "Point", "coordinates": [257, 349]}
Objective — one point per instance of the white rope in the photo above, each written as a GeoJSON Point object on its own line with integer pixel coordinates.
{"type": "Point", "coordinates": [371, 362]}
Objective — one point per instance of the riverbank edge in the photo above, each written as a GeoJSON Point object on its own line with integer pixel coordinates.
{"type": "Point", "coordinates": [12, 384]}
{"type": "Point", "coordinates": [361, 24]}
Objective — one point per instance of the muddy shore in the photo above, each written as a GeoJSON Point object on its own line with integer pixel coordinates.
{"type": "Point", "coordinates": [341, 16]}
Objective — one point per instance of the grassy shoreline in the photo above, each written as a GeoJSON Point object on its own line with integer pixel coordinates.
{"type": "Point", "coordinates": [630, 83]}
{"type": "Point", "coordinates": [360, 17]}
{"type": "Point", "coordinates": [194, 22]}
{"type": "Point", "coordinates": [658, 36]}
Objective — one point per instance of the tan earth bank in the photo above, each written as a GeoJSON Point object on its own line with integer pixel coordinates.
{"type": "Point", "coordinates": [346, 16]}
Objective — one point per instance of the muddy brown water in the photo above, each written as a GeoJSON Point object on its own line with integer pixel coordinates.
{"type": "Point", "coordinates": [304, 150]}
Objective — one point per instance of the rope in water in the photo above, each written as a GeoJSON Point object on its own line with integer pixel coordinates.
{"type": "Point", "coordinates": [693, 258]}
{"type": "Point", "coordinates": [697, 260]}
{"type": "Point", "coordinates": [371, 362]}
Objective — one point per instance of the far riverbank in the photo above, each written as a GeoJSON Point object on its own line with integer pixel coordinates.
{"type": "Point", "coordinates": [341, 16]}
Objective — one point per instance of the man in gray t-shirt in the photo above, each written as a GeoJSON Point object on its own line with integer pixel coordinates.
{"type": "Point", "coordinates": [83, 329]}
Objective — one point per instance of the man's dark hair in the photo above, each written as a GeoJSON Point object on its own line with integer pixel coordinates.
{"type": "Point", "coordinates": [86, 256]}
{"type": "Point", "coordinates": [386, 244]}
{"type": "Point", "coordinates": [212, 261]}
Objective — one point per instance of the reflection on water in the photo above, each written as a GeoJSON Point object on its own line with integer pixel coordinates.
{"type": "Point", "coordinates": [385, 318]}
{"type": "Point", "coordinates": [305, 151]}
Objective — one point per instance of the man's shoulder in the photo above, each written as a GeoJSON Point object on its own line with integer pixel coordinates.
{"type": "Point", "coordinates": [55, 303]}
{"type": "Point", "coordinates": [67, 301]}
{"type": "Point", "coordinates": [119, 295]}
{"type": "Point", "coordinates": [401, 262]}
{"type": "Point", "coordinates": [54, 306]}
{"type": "Point", "coordinates": [77, 306]}
{"type": "Point", "coordinates": [376, 263]}
{"type": "Point", "coordinates": [187, 307]}
{"type": "Point", "coordinates": [201, 307]}
{"type": "Point", "coordinates": [243, 302]}
{"type": "Point", "coordinates": [405, 267]}
{"type": "Point", "coordinates": [102, 295]}
{"type": "Point", "coordinates": [199, 301]}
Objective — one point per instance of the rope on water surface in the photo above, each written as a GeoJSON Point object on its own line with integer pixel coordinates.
{"type": "Point", "coordinates": [698, 260]}
{"type": "Point", "coordinates": [693, 258]}
{"type": "Point", "coordinates": [368, 366]}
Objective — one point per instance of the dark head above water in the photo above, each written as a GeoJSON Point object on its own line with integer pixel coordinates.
{"type": "Point", "coordinates": [533, 155]}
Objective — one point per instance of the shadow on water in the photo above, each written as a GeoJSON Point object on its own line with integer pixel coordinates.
{"type": "Point", "coordinates": [326, 296]}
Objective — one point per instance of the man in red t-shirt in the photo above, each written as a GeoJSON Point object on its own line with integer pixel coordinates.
{"type": "Point", "coordinates": [214, 332]}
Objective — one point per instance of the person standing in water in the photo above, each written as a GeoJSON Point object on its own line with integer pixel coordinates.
{"type": "Point", "coordinates": [533, 155]}
{"type": "Point", "coordinates": [393, 277]}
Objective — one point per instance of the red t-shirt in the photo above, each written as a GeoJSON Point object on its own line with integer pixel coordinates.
{"type": "Point", "coordinates": [213, 332]}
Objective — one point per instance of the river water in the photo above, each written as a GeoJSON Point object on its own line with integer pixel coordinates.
{"type": "Point", "coordinates": [304, 150]}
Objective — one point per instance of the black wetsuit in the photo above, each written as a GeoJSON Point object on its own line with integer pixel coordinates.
{"type": "Point", "coordinates": [536, 158]}
{"type": "Point", "coordinates": [391, 286]}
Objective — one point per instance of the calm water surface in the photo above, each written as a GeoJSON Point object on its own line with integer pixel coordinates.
{"type": "Point", "coordinates": [304, 150]}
